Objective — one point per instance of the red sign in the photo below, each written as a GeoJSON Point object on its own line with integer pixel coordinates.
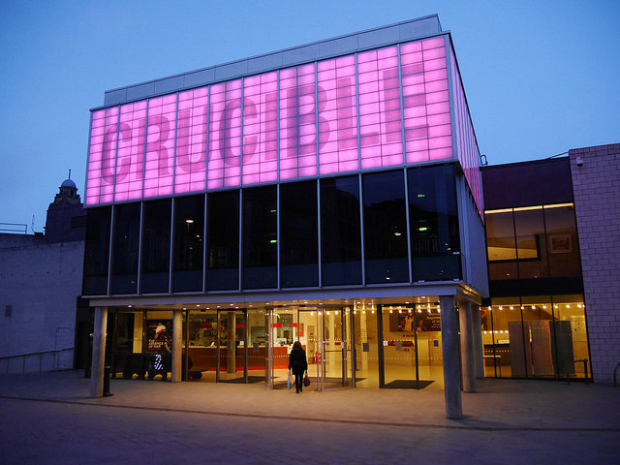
{"type": "Point", "coordinates": [277, 325]}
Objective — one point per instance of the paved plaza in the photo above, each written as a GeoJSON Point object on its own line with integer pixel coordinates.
{"type": "Point", "coordinates": [48, 418]}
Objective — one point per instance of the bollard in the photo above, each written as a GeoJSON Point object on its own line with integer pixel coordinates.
{"type": "Point", "coordinates": [106, 382]}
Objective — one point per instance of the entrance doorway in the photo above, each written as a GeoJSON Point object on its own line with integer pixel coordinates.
{"type": "Point", "coordinates": [325, 336]}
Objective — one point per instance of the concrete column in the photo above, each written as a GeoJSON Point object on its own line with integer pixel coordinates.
{"type": "Point", "coordinates": [98, 361]}
{"type": "Point", "coordinates": [177, 346]}
{"type": "Point", "coordinates": [478, 348]}
{"type": "Point", "coordinates": [231, 349]}
{"type": "Point", "coordinates": [467, 348]}
{"type": "Point", "coordinates": [451, 370]}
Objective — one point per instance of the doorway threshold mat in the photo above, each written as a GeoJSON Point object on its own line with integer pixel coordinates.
{"type": "Point", "coordinates": [407, 384]}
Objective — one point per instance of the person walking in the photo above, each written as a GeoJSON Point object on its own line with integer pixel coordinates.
{"type": "Point", "coordinates": [298, 363]}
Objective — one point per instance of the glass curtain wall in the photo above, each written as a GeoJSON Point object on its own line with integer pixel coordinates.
{"type": "Point", "coordinates": [385, 228]}
{"type": "Point", "coordinates": [156, 246]}
{"type": "Point", "coordinates": [126, 239]}
{"type": "Point", "coordinates": [223, 241]}
{"type": "Point", "coordinates": [188, 243]}
{"type": "Point", "coordinates": [260, 238]}
{"type": "Point", "coordinates": [433, 224]}
{"type": "Point", "coordinates": [141, 346]}
{"type": "Point", "coordinates": [531, 333]}
{"type": "Point", "coordinates": [341, 242]}
{"type": "Point", "coordinates": [299, 254]}
{"type": "Point", "coordinates": [535, 337]}
{"type": "Point", "coordinates": [97, 250]}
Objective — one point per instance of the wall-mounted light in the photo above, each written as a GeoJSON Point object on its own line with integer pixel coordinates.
{"type": "Point", "coordinates": [579, 161]}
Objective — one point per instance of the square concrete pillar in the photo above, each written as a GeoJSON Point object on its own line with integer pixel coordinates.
{"type": "Point", "coordinates": [177, 346]}
{"type": "Point", "coordinates": [98, 360]}
{"type": "Point", "coordinates": [467, 347]}
{"type": "Point", "coordinates": [451, 369]}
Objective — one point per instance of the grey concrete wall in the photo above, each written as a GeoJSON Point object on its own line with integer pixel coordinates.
{"type": "Point", "coordinates": [596, 183]}
{"type": "Point", "coordinates": [39, 286]}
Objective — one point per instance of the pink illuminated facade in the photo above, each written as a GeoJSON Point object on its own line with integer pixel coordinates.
{"type": "Point", "coordinates": [341, 175]}
{"type": "Point", "coordinates": [393, 106]}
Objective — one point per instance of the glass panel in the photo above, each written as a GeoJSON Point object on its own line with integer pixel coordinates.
{"type": "Point", "coordinates": [433, 223]}
{"type": "Point", "coordinates": [341, 243]}
{"type": "Point", "coordinates": [159, 344]}
{"type": "Point", "coordinates": [130, 359]}
{"type": "Point", "coordinates": [333, 349]}
{"type": "Point", "coordinates": [202, 330]}
{"type": "Point", "coordinates": [125, 249]}
{"type": "Point", "coordinates": [256, 346]}
{"type": "Point", "coordinates": [233, 344]}
{"type": "Point", "coordinates": [97, 249]}
{"type": "Point", "coordinates": [223, 240]}
{"type": "Point", "coordinates": [538, 332]}
{"type": "Point", "coordinates": [562, 240]}
{"type": "Point", "coordinates": [299, 235]}
{"type": "Point", "coordinates": [156, 246]}
{"type": "Point", "coordinates": [508, 350]}
{"type": "Point", "coordinates": [366, 348]}
{"type": "Point", "coordinates": [531, 247]}
{"type": "Point", "coordinates": [188, 243]}
{"type": "Point", "coordinates": [571, 337]}
{"type": "Point", "coordinates": [399, 354]}
{"type": "Point", "coordinates": [385, 228]}
{"type": "Point", "coordinates": [501, 247]}
{"type": "Point", "coordinates": [286, 328]}
{"type": "Point", "coordinates": [260, 231]}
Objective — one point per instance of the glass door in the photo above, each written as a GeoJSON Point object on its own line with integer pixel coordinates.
{"type": "Point", "coordinates": [334, 349]}
{"type": "Point", "coordinates": [200, 351]}
{"type": "Point", "coordinates": [411, 346]}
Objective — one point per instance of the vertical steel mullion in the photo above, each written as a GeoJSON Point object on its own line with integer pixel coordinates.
{"type": "Point", "coordinates": [363, 245]}
{"type": "Point", "coordinates": [240, 237]}
{"type": "Point", "coordinates": [174, 184]}
{"type": "Point", "coordinates": [205, 229]}
{"type": "Point", "coordinates": [357, 110]}
{"type": "Point", "coordinates": [278, 238]}
{"type": "Point", "coordinates": [278, 125]}
{"type": "Point", "coordinates": [319, 236]}
{"type": "Point", "coordinates": [140, 232]}
{"type": "Point", "coordinates": [110, 249]}
{"type": "Point", "coordinates": [402, 126]}
{"type": "Point", "coordinates": [172, 238]}
{"type": "Point", "coordinates": [408, 226]}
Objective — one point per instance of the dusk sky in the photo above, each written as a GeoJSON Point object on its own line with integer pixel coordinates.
{"type": "Point", "coordinates": [541, 77]}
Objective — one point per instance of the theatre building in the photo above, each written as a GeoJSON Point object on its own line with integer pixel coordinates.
{"type": "Point", "coordinates": [328, 194]}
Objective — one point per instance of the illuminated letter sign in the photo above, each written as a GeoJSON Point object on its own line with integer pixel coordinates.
{"type": "Point", "coordinates": [380, 108]}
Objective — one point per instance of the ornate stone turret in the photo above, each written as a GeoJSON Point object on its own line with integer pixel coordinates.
{"type": "Point", "coordinates": [66, 219]}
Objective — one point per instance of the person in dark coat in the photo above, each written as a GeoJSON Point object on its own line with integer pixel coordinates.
{"type": "Point", "coordinates": [299, 364]}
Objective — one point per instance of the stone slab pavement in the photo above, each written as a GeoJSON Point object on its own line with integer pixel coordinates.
{"type": "Point", "coordinates": [48, 418]}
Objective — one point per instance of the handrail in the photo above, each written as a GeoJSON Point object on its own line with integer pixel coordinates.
{"type": "Point", "coordinates": [585, 369]}
{"type": "Point", "coordinates": [8, 358]}
{"type": "Point", "coordinates": [615, 373]}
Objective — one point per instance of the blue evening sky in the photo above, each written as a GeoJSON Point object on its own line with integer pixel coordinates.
{"type": "Point", "coordinates": [541, 76]}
